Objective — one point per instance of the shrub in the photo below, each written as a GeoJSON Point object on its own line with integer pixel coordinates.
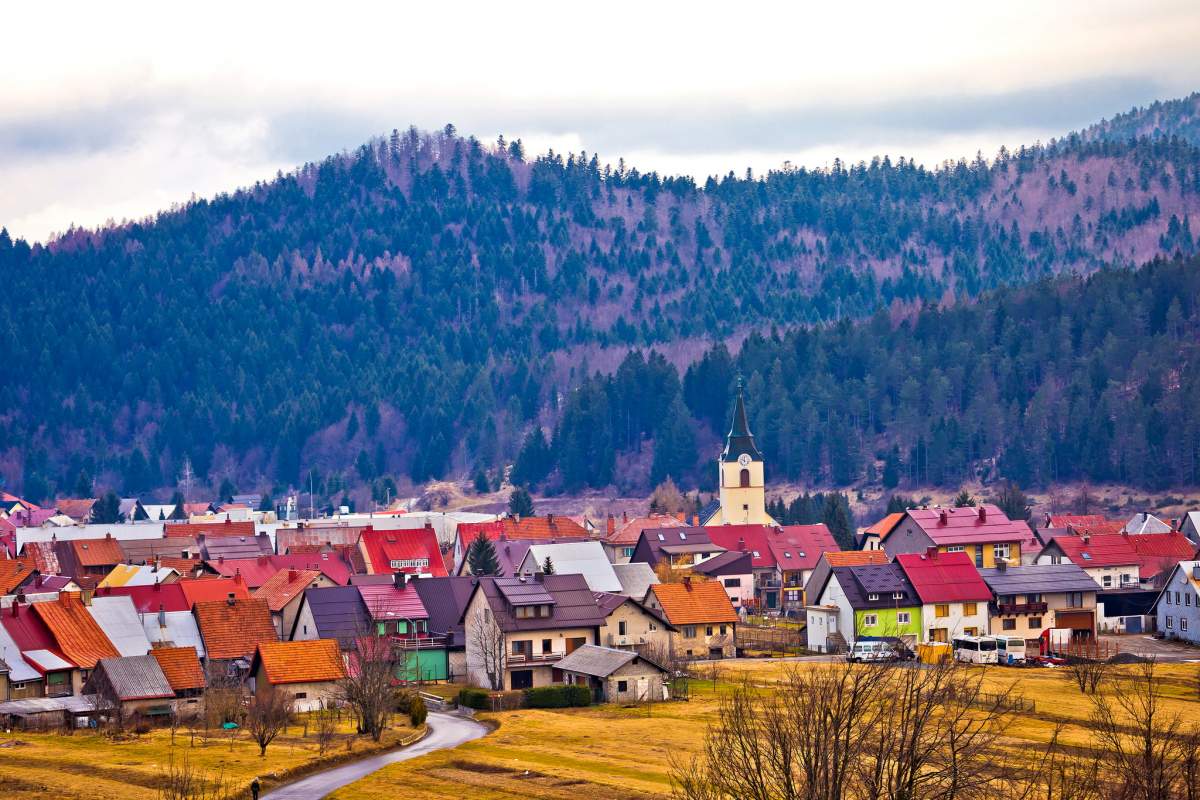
{"type": "Point", "coordinates": [417, 712]}
{"type": "Point", "coordinates": [473, 698]}
{"type": "Point", "coordinates": [580, 695]}
{"type": "Point", "coordinates": [558, 696]}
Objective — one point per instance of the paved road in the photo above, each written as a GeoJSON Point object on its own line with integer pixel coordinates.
{"type": "Point", "coordinates": [446, 730]}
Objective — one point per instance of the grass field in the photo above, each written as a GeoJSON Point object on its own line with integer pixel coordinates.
{"type": "Point", "coordinates": [38, 766]}
{"type": "Point", "coordinates": [612, 752]}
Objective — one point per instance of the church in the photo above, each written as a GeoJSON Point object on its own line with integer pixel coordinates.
{"type": "Point", "coordinates": [741, 476]}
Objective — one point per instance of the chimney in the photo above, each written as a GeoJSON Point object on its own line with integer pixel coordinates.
{"type": "Point", "coordinates": [1002, 565]}
{"type": "Point", "coordinates": [610, 525]}
{"type": "Point", "coordinates": [624, 517]}
{"type": "Point", "coordinates": [931, 552]}
{"type": "Point", "coordinates": [221, 559]}
{"type": "Point", "coordinates": [687, 582]}
{"type": "Point", "coordinates": [157, 586]}
{"type": "Point", "coordinates": [943, 517]}
{"type": "Point", "coordinates": [292, 575]}
{"type": "Point", "coordinates": [1196, 572]}
{"type": "Point", "coordinates": [1087, 537]}
{"type": "Point", "coordinates": [400, 580]}
{"type": "Point", "coordinates": [227, 520]}
{"type": "Point", "coordinates": [230, 599]}
{"type": "Point", "coordinates": [550, 520]}
{"type": "Point", "coordinates": [983, 515]}
{"type": "Point", "coordinates": [741, 544]}
{"type": "Point", "coordinates": [162, 615]}
{"type": "Point", "coordinates": [108, 534]}
{"type": "Point", "coordinates": [85, 594]}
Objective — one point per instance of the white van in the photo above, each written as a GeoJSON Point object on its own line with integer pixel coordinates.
{"type": "Point", "coordinates": [1010, 649]}
{"type": "Point", "coordinates": [865, 650]}
{"type": "Point", "coordinates": [975, 649]}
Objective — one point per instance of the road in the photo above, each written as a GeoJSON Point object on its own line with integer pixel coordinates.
{"type": "Point", "coordinates": [445, 731]}
{"type": "Point", "coordinates": [1147, 646]}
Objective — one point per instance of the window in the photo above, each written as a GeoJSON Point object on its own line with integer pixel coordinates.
{"type": "Point", "coordinates": [653, 627]}
{"type": "Point", "coordinates": [300, 695]}
{"type": "Point", "coordinates": [1128, 579]}
{"type": "Point", "coordinates": [518, 648]}
{"type": "Point", "coordinates": [872, 597]}
{"type": "Point", "coordinates": [1170, 622]}
{"type": "Point", "coordinates": [733, 583]}
{"type": "Point", "coordinates": [903, 617]}
{"type": "Point", "coordinates": [1035, 623]}
{"type": "Point", "coordinates": [1177, 598]}
{"type": "Point", "coordinates": [970, 609]}
{"type": "Point", "coordinates": [683, 536]}
{"type": "Point", "coordinates": [622, 627]}
{"type": "Point", "coordinates": [744, 478]}
{"type": "Point", "coordinates": [1074, 599]}
{"type": "Point", "coordinates": [1187, 599]}
{"type": "Point", "coordinates": [756, 554]}
{"type": "Point", "coordinates": [1055, 559]}
{"type": "Point", "coordinates": [723, 629]}
{"type": "Point", "coordinates": [941, 610]}
{"type": "Point", "coordinates": [1183, 623]}
{"type": "Point", "coordinates": [1000, 551]}
{"type": "Point", "coordinates": [662, 538]}
{"type": "Point", "coordinates": [708, 629]}
{"type": "Point", "coordinates": [971, 631]}
{"type": "Point", "coordinates": [897, 595]}
{"type": "Point", "coordinates": [547, 645]}
{"type": "Point", "coordinates": [870, 620]}
{"type": "Point", "coordinates": [745, 507]}
{"type": "Point", "coordinates": [1106, 580]}
{"type": "Point", "coordinates": [689, 631]}
{"type": "Point", "coordinates": [1087, 556]}
{"type": "Point", "coordinates": [786, 554]}
{"type": "Point", "coordinates": [1009, 624]}
{"type": "Point", "coordinates": [627, 551]}
{"type": "Point", "coordinates": [409, 563]}
{"type": "Point", "coordinates": [955, 548]}
{"type": "Point", "coordinates": [622, 686]}
{"type": "Point", "coordinates": [1167, 595]}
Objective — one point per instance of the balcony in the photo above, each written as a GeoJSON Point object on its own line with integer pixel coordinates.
{"type": "Point", "coordinates": [522, 659]}
{"type": "Point", "coordinates": [1006, 609]}
{"type": "Point", "coordinates": [420, 642]}
{"type": "Point", "coordinates": [769, 583]}
{"type": "Point", "coordinates": [627, 640]}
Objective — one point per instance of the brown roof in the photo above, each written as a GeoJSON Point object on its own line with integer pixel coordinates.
{"type": "Point", "coordinates": [97, 552]}
{"type": "Point", "coordinates": [76, 509]}
{"type": "Point", "coordinates": [78, 636]}
{"type": "Point", "coordinates": [13, 573]}
{"type": "Point", "coordinates": [143, 551]}
{"type": "Point", "coordinates": [181, 666]}
{"type": "Point", "coordinates": [210, 529]}
{"type": "Point", "coordinates": [627, 532]}
{"type": "Point", "coordinates": [43, 556]}
{"type": "Point", "coordinates": [855, 558]}
{"type": "Point", "coordinates": [692, 602]}
{"type": "Point", "coordinates": [312, 661]}
{"type": "Point", "coordinates": [285, 586]}
{"type": "Point", "coordinates": [233, 629]}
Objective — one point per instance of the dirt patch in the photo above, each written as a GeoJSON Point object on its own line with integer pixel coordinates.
{"type": "Point", "coordinates": [475, 766]}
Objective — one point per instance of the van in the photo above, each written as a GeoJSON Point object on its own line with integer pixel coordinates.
{"type": "Point", "coordinates": [1010, 649]}
{"type": "Point", "coordinates": [975, 649]}
{"type": "Point", "coordinates": [867, 650]}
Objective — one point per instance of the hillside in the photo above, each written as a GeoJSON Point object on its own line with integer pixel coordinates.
{"type": "Point", "coordinates": [413, 308]}
{"type": "Point", "coordinates": [1159, 120]}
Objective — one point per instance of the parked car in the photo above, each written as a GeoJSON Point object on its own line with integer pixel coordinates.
{"type": "Point", "coordinates": [874, 650]}
{"type": "Point", "coordinates": [975, 649]}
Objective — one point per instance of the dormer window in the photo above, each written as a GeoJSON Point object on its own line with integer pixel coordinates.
{"type": "Point", "coordinates": [786, 554]}
{"type": "Point", "coordinates": [662, 538]}
{"type": "Point", "coordinates": [756, 555]}
{"type": "Point", "coordinates": [872, 596]}
{"type": "Point", "coordinates": [683, 536]}
{"type": "Point", "coordinates": [897, 595]}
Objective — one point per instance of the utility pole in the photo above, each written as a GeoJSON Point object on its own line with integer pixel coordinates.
{"type": "Point", "coordinates": [311, 514]}
{"type": "Point", "coordinates": [187, 480]}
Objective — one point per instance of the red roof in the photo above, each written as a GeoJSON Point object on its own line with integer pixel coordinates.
{"type": "Point", "coordinates": [78, 635]}
{"type": "Point", "coordinates": [13, 573]}
{"type": "Point", "coordinates": [312, 661]}
{"type": "Point", "coordinates": [885, 525]}
{"type": "Point", "coordinates": [199, 590]}
{"type": "Point", "coordinates": [413, 550]}
{"type": "Point", "coordinates": [257, 571]}
{"type": "Point", "coordinates": [1101, 550]}
{"type": "Point", "coordinates": [788, 548]}
{"type": "Point", "coordinates": [101, 552]}
{"type": "Point", "coordinates": [1160, 552]}
{"type": "Point", "coordinates": [386, 602]}
{"type": "Point", "coordinates": [212, 529]}
{"type": "Point", "coordinates": [944, 577]}
{"type": "Point", "coordinates": [151, 599]}
{"type": "Point", "coordinates": [285, 586]}
{"type": "Point", "coordinates": [27, 629]}
{"type": "Point", "coordinates": [627, 532]}
{"type": "Point", "coordinates": [181, 667]}
{"type": "Point", "coordinates": [234, 630]}
{"type": "Point", "coordinates": [982, 525]}
{"type": "Point", "coordinates": [1075, 520]}
{"type": "Point", "coordinates": [552, 527]}
{"type": "Point", "coordinates": [694, 602]}
{"type": "Point", "coordinates": [44, 557]}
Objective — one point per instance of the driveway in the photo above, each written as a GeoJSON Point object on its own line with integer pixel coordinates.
{"type": "Point", "coordinates": [1149, 647]}
{"type": "Point", "coordinates": [445, 731]}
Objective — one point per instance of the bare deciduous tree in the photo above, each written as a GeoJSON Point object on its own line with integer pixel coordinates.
{"type": "Point", "coordinates": [326, 727]}
{"type": "Point", "coordinates": [267, 715]}
{"type": "Point", "coordinates": [367, 688]}
{"type": "Point", "coordinates": [488, 641]}
{"type": "Point", "coordinates": [1087, 673]}
{"type": "Point", "coordinates": [182, 780]}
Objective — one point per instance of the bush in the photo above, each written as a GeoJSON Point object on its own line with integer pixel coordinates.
{"type": "Point", "coordinates": [558, 696]}
{"type": "Point", "coordinates": [473, 698]}
{"type": "Point", "coordinates": [417, 712]}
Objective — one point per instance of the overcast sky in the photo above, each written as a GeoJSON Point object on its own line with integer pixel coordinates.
{"type": "Point", "coordinates": [112, 111]}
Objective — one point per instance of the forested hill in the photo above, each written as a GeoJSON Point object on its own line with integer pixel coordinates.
{"type": "Point", "coordinates": [1160, 120]}
{"type": "Point", "coordinates": [418, 306]}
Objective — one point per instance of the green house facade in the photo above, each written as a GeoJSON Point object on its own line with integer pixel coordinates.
{"type": "Point", "coordinates": [903, 621]}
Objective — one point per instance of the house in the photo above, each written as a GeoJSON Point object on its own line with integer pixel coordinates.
{"type": "Point", "coordinates": [220, 548]}
{"type": "Point", "coordinates": [165, 613]}
{"type": "Point", "coordinates": [79, 510]}
{"type": "Point", "coordinates": [1189, 525]}
{"type": "Point", "coordinates": [872, 537]}
{"type": "Point", "coordinates": [231, 630]}
{"type": "Point", "coordinates": [675, 548]}
{"type": "Point", "coordinates": [36, 645]}
{"type": "Point", "coordinates": [307, 670]}
{"type": "Point", "coordinates": [413, 551]}
{"type": "Point", "coordinates": [283, 592]}
{"type": "Point", "coordinates": [147, 551]}
{"type": "Point", "coordinates": [579, 558]}
{"type": "Point", "coordinates": [182, 668]}
{"type": "Point", "coordinates": [550, 528]}
{"type": "Point", "coordinates": [120, 622]}
{"type": "Point", "coordinates": [132, 510]}
{"type": "Point", "coordinates": [1145, 522]}
{"type": "Point", "coordinates": [1158, 553]}
{"type": "Point", "coordinates": [43, 556]}
{"type": "Point", "coordinates": [197, 590]}
{"type": "Point", "coordinates": [782, 559]}
{"type": "Point", "coordinates": [1108, 558]}
{"type": "Point", "coordinates": [740, 476]}
{"type": "Point", "coordinates": [161, 512]}
{"type": "Point", "coordinates": [1177, 606]}
{"type": "Point", "coordinates": [985, 534]}
{"type": "Point", "coordinates": [700, 611]}
{"type": "Point", "coordinates": [15, 574]}
{"type": "Point", "coordinates": [210, 529]}
{"type": "Point", "coordinates": [734, 570]}
{"type": "Point", "coordinates": [21, 680]}
{"type": "Point", "coordinates": [1032, 598]}
{"type": "Point", "coordinates": [95, 557]}
{"type": "Point", "coordinates": [445, 601]}
{"type": "Point", "coordinates": [620, 538]}
{"type": "Point", "coordinates": [517, 629]}
{"type": "Point", "coordinates": [954, 599]}
{"type": "Point", "coordinates": [840, 558]}
{"type": "Point", "coordinates": [397, 613]}
{"type": "Point", "coordinates": [861, 601]}
{"type": "Point", "coordinates": [335, 612]}
{"type": "Point", "coordinates": [139, 575]}
{"type": "Point", "coordinates": [260, 569]}
{"type": "Point", "coordinates": [629, 624]}
{"type": "Point", "coordinates": [77, 634]}
{"type": "Point", "coordinates": [616, 676]}
{"type": "Point", "coordinates": [635, 578]}
{"type": "Point", "coordinates": [136, 682]}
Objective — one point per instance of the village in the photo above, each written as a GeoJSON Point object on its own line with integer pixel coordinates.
{"type": "Point", "coordinates": [231, 621]}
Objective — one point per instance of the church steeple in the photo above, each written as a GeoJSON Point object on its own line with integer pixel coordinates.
{"type": "Point", "coordinates": [740, 439]}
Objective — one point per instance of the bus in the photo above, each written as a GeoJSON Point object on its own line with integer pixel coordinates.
{"type": "Point", "coordinates": [1010, 649]}
{"type": "Point", "coordinates": [975, 649]}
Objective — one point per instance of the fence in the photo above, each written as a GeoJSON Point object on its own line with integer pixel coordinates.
{"type": "Point", "coordinates": [772, 639]}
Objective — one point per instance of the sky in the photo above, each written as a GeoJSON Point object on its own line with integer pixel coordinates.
{"type": "Point", "coordinates": [114, 111]}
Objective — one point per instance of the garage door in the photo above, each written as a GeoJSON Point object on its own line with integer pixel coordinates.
{"type": "Point", "coordinates": [1076, 620]}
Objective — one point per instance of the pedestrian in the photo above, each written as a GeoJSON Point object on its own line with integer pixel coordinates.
{"type": "Point", "coordinates": [255, 788]}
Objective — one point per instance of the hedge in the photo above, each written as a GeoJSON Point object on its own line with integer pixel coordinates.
{"type": "Point", "coordinates": [558, 696]}
{"type": "Point", "coordinates": [473, 698]}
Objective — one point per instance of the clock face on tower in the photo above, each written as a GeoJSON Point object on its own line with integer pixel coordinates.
{"type": "Point", "coordinates": [744, 459]}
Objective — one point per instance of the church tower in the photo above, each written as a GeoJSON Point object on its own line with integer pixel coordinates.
{"type": "Point", "coordinates": [741, 475]}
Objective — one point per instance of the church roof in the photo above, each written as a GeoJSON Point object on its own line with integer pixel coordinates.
{"type": "Point", "coordinates": [740, 439]}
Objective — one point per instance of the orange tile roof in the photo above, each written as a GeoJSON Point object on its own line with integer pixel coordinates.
{"type": "Point", "coordinates": [13, 573]}
{"type": "Point", "coordinates": [181, 666]}
{"type": "Point", "coordinates": [78, 636]}
{"type": "Point", "coordinates": [885, 525]}
{"type": "Point", "coordinates": [183, 566]}
{"type": "Point", "coordinates": [856, 558]}
{"type": "Point", "coordinates": [285, 585]}
{"type": "Point", "coordinates": [198, 590]}
{"type": "Point", "coordinates": [97, 552]}
{"type": "Point", "coordinates": [45, 560]}
{"type": "Point", "coordinates": [694, 602]}
{"type": "Point", "coordinates": [312, 661]}
{"type": "Point", "coordinates": [234, 630]}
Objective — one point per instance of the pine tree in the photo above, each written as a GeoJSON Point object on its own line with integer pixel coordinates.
{"type": "Point", "coordinates": [836, 516]}
{"type": "Point", "coordinates": [898, 504]}
{"type": "Point", "coordinates": [480, 482]}
{"type": "Point", "coordinates": [548, 566]}
{"type": "Point", "coordinates": [891, 469]}
{"type": "Point", "coordinates": [481, 557]}
{"type": "Point", "coordinates": [227, 490]}
{"type": "Point", "coordinates": [535, 460]}
{"type": "Point", "coordinates": [964, 499]}
{"type": "Point", "coordinates": [267, 504]}
{"type": "Point", "coordinates": [520, 503]}
{"type": "Point", "coordinates": [83, 485]}
{"type": "Point", "coordinates": [107, 510]}
{"type": "Point", "coordinates": [1013, 502]}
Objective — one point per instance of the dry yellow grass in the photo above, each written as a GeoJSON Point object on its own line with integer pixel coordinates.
{"type": "Point", "coordinates": [611, 752]}
{"type": "Point", "coordinates": [38, 766]}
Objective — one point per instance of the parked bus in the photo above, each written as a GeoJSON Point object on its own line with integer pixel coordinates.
{"type": "Point", "coordinates": [975, 649]}
{"type": "Point", "coordinates": [1010, 649]}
